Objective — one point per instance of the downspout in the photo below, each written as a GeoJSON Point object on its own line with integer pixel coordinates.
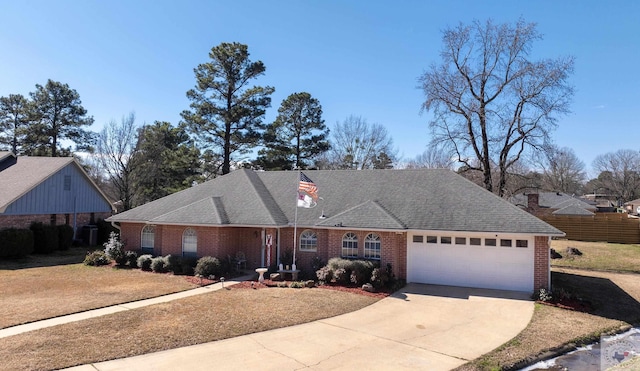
{"type": "Point", "coordinates": [114, 225]}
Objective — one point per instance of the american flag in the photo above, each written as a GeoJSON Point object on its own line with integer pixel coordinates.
{"type": "Point", "coordinates": [307, 186]}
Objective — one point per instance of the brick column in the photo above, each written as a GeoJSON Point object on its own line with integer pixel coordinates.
{"type": "Point", "coordinates": [541, 266]}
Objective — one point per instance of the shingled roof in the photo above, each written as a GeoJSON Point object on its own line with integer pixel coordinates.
{"type": "Point", "coordinates": [419, 199]}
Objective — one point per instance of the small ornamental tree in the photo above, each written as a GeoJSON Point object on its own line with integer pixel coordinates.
{"type": "Point", "coordinates": [114, 248]}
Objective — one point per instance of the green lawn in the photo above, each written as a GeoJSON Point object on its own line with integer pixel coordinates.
{"type": "Point", "coordinates": [600, 256]}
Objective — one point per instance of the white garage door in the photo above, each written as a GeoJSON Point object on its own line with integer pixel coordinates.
{"type": "Point", "coordinates": [485, 266]}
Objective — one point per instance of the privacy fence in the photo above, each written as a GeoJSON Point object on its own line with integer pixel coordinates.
{"type": "Point", "coordinates": [609, 227]}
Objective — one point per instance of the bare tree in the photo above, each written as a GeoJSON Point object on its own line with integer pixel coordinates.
{"type": "Point", "coordinates": [432, 158]}
{"type": "Point", "coordinates": [356, 144]}
{"type": "Point", "coordinates": [619, 173]}
{"type": "Point", "coordinates": [115, 148]}
{"type": "Point", "coordinates": [490, 102]}
{"type": "Point", "coordinates": [563, 171]}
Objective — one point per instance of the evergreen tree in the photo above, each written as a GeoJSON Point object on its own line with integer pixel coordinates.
{"type": "Point", "coordinates": [296, 136]}
{"type": "Point", "coordinates": [226, 113]}
{"type": "Point", "coordinates": [166, 161]}
{"type": "Point", "coordinates": [57, 114]}
{"type": "Point", "coordinates": [14, 118]}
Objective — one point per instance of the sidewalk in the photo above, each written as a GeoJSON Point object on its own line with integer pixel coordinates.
{"type": "Point", "coordinates": [19, 329]}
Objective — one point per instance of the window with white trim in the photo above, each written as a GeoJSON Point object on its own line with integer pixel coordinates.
{"type": "Point", "coordinates": [432, 239]}
{"type": "Point", "coordinates": [418, 238]}
{"type": "Point", "coordinates": [445, 240]}
{"type": "Point", "coordinates": [308, 241]}
{"type": "Point", "coordinates": [147, 240]}
{"type": "Point", "coordinates": [461, 240]}
{"type": "Point", "coordinates": [505, 242]}
{"type": "Point", "coordinates": [522, 243]}
{"type": "Point", "coordinates": [189, 242]}
{"type": "Point", "coordinates": [350, 245]}
{"type": "Point", "coordinates": [372, 246]}
{"type": "Point", "coordinates": [489, 241]}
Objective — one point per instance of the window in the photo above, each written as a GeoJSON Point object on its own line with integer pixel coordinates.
{"type": "Point", "coordinates": [475, 241]}
{"type": "Point", "coordinates": [505, 243]}
{"type": "Point", "coordinates": [489, 241]}
{"type": "Point", "coordinates": [522, 243]}
{"type": "Point", "coordinates": [67, 182]}
{"type": "Point", "coordinates": [461, 240]}
{"type": "Point", "coordinates": [147, 240]}
{"type": "Point", "coordinates": [432, 239]}
{"type": "Point", "coordinates": [350, 245]}
{"type": "Point", "coordinates": [308, 241]}
{"type": "Point", "coordinates": [418, 239]}
{"type": "Point", "coordinates": [372, 246]}
{"type": "Point", "coordinates": [189, 242]}
{"type": "Point", "coordinates": [445, 240]}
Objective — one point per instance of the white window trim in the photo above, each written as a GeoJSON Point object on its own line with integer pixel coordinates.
{"type": "Point", "coordinates": [189, 247]}
{"type": "Point", "coordinates": [311, 241]}
{"type": "Point", "coordinates": [369, 252]}
{"type": "Point", "coordinates": [148, 243]}
{"type": "Point", "coordinates": [353, 240]}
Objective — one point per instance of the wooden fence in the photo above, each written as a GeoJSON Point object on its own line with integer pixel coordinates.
{"type": "Point", "coordinates": [609, 227]}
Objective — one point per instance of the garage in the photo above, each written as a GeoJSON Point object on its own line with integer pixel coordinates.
{"type": "Point", "coordinates": [504, 262]}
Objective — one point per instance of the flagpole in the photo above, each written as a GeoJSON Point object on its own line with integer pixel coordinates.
{"type": "Point", "coordinates": [295, 220]}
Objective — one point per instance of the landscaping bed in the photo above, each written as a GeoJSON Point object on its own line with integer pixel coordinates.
{"type": "Point", "coordinates": [286, 284]}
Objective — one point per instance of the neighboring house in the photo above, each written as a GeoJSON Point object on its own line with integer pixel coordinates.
{"type": "Point", "coordinates": [633, 207]}
{"type": "Point", "coordinates": [553, 203]}
{"type": "Point", "coordinates": [431, 226]}
{"type": "Point", "coordinates": [53, 190]}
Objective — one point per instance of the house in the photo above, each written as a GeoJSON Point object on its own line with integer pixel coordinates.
{"type": "Point", "coordinates": [53, 190]}
{"type": "Point", "coordinates": [633, 207]}
{"type": "Point", "coordinates": [553, 203]}
{"type": "Point", "coordinates": [431, 225]}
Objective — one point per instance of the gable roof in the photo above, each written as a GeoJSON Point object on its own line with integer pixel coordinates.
{"type": "Point", "coordinates": [552, 200]}
{"type": "Point", "coordinates": [28, 172]}
{"type": "Point", "coordinates": [420, 199]}
{"type": "Point", "coordinates": [573, 210]}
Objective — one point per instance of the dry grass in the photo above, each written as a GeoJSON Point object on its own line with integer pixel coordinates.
{"type": "Point", "coordinates": [600, 256]}
{"type": "Point", "coordinates": [34, 289]}
{"type": "Point", "coordinates": [199, 319]}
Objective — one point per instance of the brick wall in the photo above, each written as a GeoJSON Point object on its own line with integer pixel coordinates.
{"type": "Point", "coordinates": [226, 241]}
{"type": "Point", "coordinates": [24, 221]}
{"type": "Point", "coordinates": [541, 264]}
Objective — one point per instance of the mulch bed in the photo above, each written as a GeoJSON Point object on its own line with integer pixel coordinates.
{"type": "Point", "coordinates": [570, 304]}
{"type": "Point", "coordinates": [274, 284]}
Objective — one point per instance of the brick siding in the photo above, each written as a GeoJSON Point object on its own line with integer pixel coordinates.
{"type": "Point", "coordinates": [541, 264]}
{"type": "Point", "coordinates": [227, 241]}
{"type": "Point", "coordinates": [24, 221]}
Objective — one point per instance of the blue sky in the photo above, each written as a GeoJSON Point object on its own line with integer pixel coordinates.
{"type": "Point", "coordinates": [356, 57]}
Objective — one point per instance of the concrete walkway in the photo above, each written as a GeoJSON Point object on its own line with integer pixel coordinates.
{"type": "Point", "coordinates": [19, 329]}
{"type": "Point", "coordinates": [423, 327]}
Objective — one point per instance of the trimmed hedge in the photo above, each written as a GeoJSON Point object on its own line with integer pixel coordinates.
{"type": "Point", "coordinates": [15, 242]}
{"type": "Point", "coordinates": [208, 266]}
{"type": "Point", "coordinates": [45, 238]}
{"type": "Point", "coordinates": [65, 236]}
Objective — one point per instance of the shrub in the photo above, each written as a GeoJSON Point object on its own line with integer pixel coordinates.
{"type": "Point", "coordinates": [207, 266]}
{"type": "Point", "coordinates": [144, 262]}
{"type": "Point", "coordinates": [16, 242]}
{"type": "Point", "coordinates": [317, 263]}
{"type": "Point", "coordinates": [174, 264]}
{"type": "Point", "coordinates": [341, 276]}
{"type": "Point", "coordinates": [45, 238]}
{"type": "Point", "coordinates": [132, 258]}
{"type": "Point", "coordinates": [379, 278]}
{"type": "Point", "coordinates": [159, 264]}
{"type": "Point", "coordinates": [104, 230]}
{"type": "Point", "coordinates": [114, 248]}
{"type": "Point", "coordinates": [361, 271]}
{"type": "Point", "coordinates": [97, 258]}
{"type": "Point", "coordinates": [188, 264]}
{"type": "Point", "coordinates": [542, 295]}
{"type": "Point", "coordinates": [65, 236]}
{"type": "Point", "coordinates": [297, 285]}
{"type": "Point", "coordinates": [324, 274]}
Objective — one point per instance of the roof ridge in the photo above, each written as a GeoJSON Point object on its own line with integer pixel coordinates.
{"type": "Point", "coordinates": [358, 206]}
{"type": "Point", "coordinates": [256, 182]}
{"type": "Point", "coordinates": [210, 198]}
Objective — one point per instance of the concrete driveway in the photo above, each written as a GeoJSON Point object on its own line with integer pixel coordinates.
{"type": "Point", "coordinates": [420, 327]}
